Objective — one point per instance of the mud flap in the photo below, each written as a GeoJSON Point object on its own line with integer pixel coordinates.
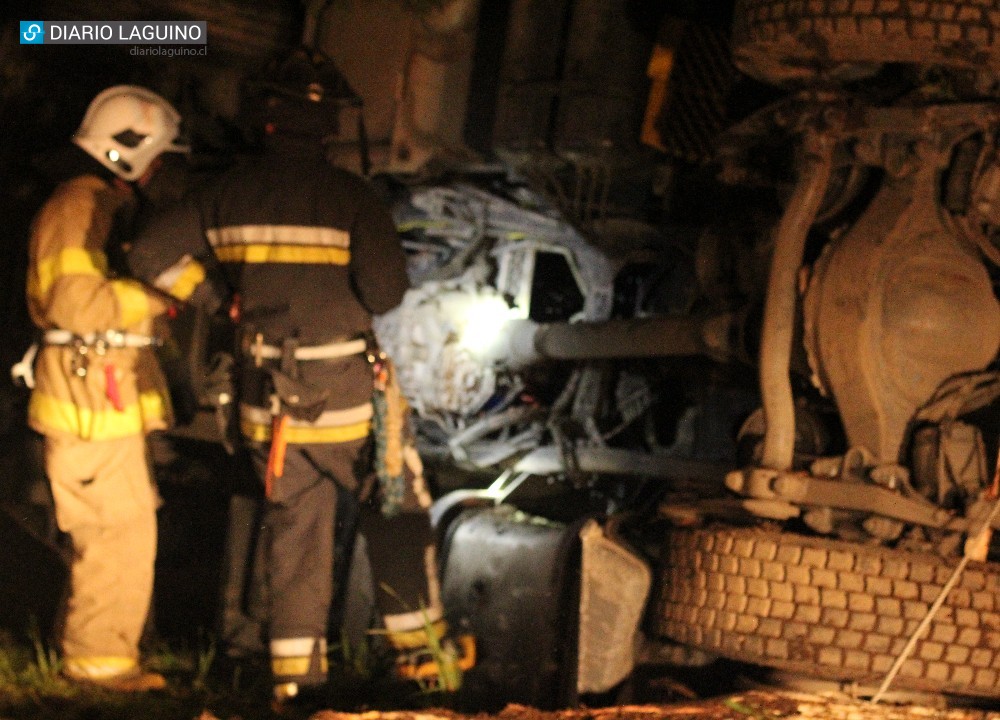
{"type": "Point", "coordinates": [513, 581]}
{"type": "Point", "coordinates": [614, 586]}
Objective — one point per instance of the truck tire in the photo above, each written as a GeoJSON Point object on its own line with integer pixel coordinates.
{"type": "Point", "coordinates": [779, 41]}
{"type": "Point", "coordinates": [831, 609]}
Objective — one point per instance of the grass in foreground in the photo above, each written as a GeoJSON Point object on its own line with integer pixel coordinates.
{"type": "Point", "coordinates": [201, 686]}
{"type": "Point", "coordinates": [31, 688]}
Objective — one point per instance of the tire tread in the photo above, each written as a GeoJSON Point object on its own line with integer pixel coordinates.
{"type": "Point", "coordinates": [830, 608]}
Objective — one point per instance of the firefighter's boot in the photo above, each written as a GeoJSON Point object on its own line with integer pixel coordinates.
{"type": "Point", "coordinates": [298, 667]}
{"type": "Point", "coordinates": [126, 676]}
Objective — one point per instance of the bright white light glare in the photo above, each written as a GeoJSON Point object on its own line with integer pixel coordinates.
{"type": "Point", "coordinates": [484, 320]}
{"type": "Point", "coordinates": [113, 155]}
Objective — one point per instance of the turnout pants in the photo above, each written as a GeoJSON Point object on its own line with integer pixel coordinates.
{"type": "Point", "coordinates": [105, 501]}
{"type": "Point", "coordinates": [298, 552]}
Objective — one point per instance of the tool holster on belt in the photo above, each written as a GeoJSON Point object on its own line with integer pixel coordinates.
{"type": "Point", "coordinates": [291, 398]}
{"type": "Point", "coordinates": [217, 390]}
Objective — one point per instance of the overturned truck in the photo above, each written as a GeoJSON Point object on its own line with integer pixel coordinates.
{"type": "Point", "coordinates": [772, 439]}
{"type": "Point", "coordinates": [763, 431]}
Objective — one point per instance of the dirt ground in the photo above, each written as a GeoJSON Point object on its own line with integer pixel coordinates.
{"type": "Point", "coordinates": [756, 705]}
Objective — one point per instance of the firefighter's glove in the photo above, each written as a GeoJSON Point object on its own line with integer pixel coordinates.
{"type": "Point", "coordinates": [208, 297]}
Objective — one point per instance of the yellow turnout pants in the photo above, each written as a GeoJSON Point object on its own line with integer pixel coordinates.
{"type": "Point", "coordinates": [106, 503]}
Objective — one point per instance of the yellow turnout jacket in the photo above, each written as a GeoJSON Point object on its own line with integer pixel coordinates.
{"type": "Point", "coordinates": [90, 391]}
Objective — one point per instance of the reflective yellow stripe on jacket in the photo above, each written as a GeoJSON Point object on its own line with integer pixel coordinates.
{"type": "Point", "coordinates": [133, 301]}
{"type": "Point", "coordinates": [106, 424]}
{"type": "Point", "coordinates": [96, 667]}
{"type": "Point", "coordinates": [302, 244]}
{"type": "Point", "coordinates": [68, 261]}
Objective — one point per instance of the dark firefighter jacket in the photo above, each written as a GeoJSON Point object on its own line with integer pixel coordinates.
{"type": "Point", "coordinates": [90, 390]}
{"type": "Point", "coordinates": [312, 253]}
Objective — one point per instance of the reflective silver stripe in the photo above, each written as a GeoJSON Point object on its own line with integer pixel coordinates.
{"type": "Point", "coordinates": [110, 338]}
{"type": "Point", "coordinates": [414, 620]}
{"type": "Point", "coordinates": [312, 352]}
{"type": "Point", "coordinates": [296, 647]}
{"type": "Point", "coordinates": [330, 418]}
{"type": "Point", "coordinates": [278, 235]}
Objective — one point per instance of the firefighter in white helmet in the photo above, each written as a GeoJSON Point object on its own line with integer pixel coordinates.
{"type": "Point", "coordinates": [97, 388]}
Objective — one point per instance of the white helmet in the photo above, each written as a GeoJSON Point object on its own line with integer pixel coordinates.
{"type": "Point", "coordinates": [126, 127]}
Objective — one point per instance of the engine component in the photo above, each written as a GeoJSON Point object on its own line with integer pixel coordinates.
{"type": "Point", "coordinates": [477, 254]}
{"type": "Point", "coordinates": [948, 455]}
{"type": "Point", "coordinates": [663, 336]}
{"type": "Point", "coordinates": [437, 338]}
{"type": "Point", "coordinates": [484, 253]}
{"type": "Point", "coordinates": [894, 308]}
